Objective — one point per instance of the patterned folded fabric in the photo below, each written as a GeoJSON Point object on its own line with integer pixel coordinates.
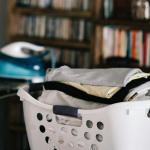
{"type": "Point", "coordinates": [141, 92]}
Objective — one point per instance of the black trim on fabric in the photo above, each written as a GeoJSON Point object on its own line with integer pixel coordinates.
{"type": "Point", "coordinates": [72, 91]}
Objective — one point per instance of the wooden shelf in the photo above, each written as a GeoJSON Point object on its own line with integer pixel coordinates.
{"type": "Point", "coordinates": [17, 128]}
{"type": "Point", "coordinates": [128, 23]}
{"type": "Point", "coordinates": [144, 69]}
{"type": "Point", "coordinates": [53, 12]}
{"type": "Point", "coordinates": [52, 42]}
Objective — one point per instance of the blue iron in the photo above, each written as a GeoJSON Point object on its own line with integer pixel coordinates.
{"type": "Point", "coordinates": [15, 64]}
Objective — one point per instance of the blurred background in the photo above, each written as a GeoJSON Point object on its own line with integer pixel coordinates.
{"type": "Point", "coordinates": [3, 23]}
{"type": "Point", "coordinates": [40, 34]}
{"type": "Point", "coordinates": [3, 41]}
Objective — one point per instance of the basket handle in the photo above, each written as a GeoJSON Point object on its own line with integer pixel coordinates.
{"type": "Point", "coordinates": [66, 111]}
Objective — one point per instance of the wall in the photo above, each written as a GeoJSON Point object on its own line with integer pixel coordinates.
{"type": "Point", "coordinates": [3, 20]}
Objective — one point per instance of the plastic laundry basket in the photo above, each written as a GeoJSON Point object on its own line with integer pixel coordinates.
{"type": "Point", "coordinates": [121, 126]}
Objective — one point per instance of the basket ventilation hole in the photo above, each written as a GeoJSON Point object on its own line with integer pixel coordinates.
{"type": "Point", "coordinates": [63, 130]}
{"type": "Point", "coordinates": [70, 144]}
{"type": "Point", "coordinates": [56, 148]}
{"type": "Point", "coordinates": [74, 132]}
{"type": "Point", "coordinates": [99, 138]}
{"type": "Point", "coordinates": [42, 129]}
{"type": "Point", "coordinates": [39, 116]}
{"type": "Point", "coordinates": [87, 135]}
{"type": "Point", "coordinates": [60, 140]}
{"type": "Point", "coordinates": [80, 143]}
{"type": "Point", "coordinates": [48, 140]}
{"type": "Point", "coordinates": [148, 114]}
{"type": "Point", "coordinates": [51, 130]}
{"type": "Point", "coordinates": [94, 147]}
{"type": "Point", "coordinates": [49, 118]}
{"type": "Point", "coordinates": [89, 124]}
{"type": "Point", "coordinates": [100, 125]}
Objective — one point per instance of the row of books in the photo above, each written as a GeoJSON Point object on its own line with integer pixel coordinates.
{"type": "Point", "coordinates": [71, 57]}
{"type": "Point", "coordinates": [84, 5]}
{"type": "Point", "coordinates": [126, 43]}
{"type": "Point", "coordinates": [74, 58]}
{"type": "Point", "coordinates": [56, 28]}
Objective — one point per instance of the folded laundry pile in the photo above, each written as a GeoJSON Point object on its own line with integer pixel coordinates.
{"type": "Point", "coordinates": [90, 89]}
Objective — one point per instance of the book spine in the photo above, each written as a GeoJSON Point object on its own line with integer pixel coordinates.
{"type": "Point", "coordinates": [69, 4]}
{"type": "Point", "coordinates": [131, 44]}
{"type": "Point", "coordinates": [21, 25]}
{"type": "Point", "coordinates": [49, 34]}
{"type": "Point", "coordinates": [117, 42]}
{"type": "Point", "coordinates": [125, 44]}
{"type": "Point", "coordinates": [64, 28]}
{"type": "Point", "coordinates": [134, 44]}
{"type": "Point", "coordinates": [47, 3]}
{"type": "Point", "coordinates": [85, 5]}
{"type": "Point", "coordinates": [82, 59]}
{"type": "Point", "coordinates": [81, 30]}
{"type": "Point", "coordinates": [110, 39]}
{"type": "Point", "coordinates": [89, 5]}
{"type": "Point", "coordinates": [43, 26]}
{"type": "Point", "coordinates": [87, 60]}
{"type": "Point", "coordinates": [78, 59]}
{"type": "Point", "coordinates": [33, 3]}
{"type": "Point", "coordinates": [137, 45]}
{"type": "Point", "coordinates": [148, 50]}
{"type": "Point", "coordinates": [67, 29]}
{"type": "Point", "coordinates": [76, 4]}
{"type": "Point", "coordinates": [57, 28]}
{"type": "Point", "coordinates": [104, 45]}
{"type": "Point", "coordinates": [61, 4]}
{"type": "Point", "coordinates": [141, 48]}
{"type": "Point", "coordinates": [87, 31]}
{"type": "Point", "coordinates": [65, 58]}
{"type": "Point", "coordinates": [28, 26]}
{"type": "Point", "coordinates": [53, 27]}
{"type": "Point", "coordinates": [144, 48]}
{"type": "Point", "coordinates": [72, 59]}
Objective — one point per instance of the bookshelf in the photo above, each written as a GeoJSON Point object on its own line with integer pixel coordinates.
{"type": "Point", "coordinates": [15, 128]}
{"type": "Point", "coordinates": [122, 19]}
{"type": "Point", "coordinates": [53, 12]}
{"type": "Point", "coordinates": [136, 24]}
{"type": "Point", "coordinates": [15, 12]}
{"type": "Point", "coordinates": [53, 42]}
{"type": "Point", "coordinates": [94, 46]}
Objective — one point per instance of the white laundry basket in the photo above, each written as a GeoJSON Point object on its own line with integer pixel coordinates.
{"type": "Point", "coordinates": [121, 126]}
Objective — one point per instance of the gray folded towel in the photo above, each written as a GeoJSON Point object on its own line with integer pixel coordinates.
{"type": "Point", "coordinates": [104, 77]}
